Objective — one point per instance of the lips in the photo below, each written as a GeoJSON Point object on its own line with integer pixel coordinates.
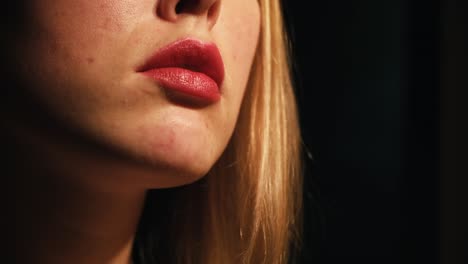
{"type": "Point", "coordinates": [188, 66]}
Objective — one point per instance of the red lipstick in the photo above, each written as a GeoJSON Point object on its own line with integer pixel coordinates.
{"type": "Point", "coordinates": [188, 66]}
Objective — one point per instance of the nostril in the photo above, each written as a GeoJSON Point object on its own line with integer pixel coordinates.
{"type": "Point", "coordinates": [178, 8]}
{"type": "Point", "coordinates": [207, 8]}
{"type": "Point", "coordinates": [186, 6]}
{"type": "Point", "coordinates": [214, 10]}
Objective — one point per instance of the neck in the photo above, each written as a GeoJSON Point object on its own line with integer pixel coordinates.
{"type": "Point", "coordinates": [69, 207]}
{"type": "Point", "coordinates": [64, 224]}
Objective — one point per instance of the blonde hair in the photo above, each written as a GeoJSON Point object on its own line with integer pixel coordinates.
{"type": "Point", "coordinates": [248, 208]}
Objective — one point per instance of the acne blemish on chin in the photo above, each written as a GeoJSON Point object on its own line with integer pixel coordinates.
{"type": "Point", "coordinates": [90, 60]}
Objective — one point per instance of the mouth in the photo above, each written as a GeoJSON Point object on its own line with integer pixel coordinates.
{"type": "Point", "coordinates": [188, 67]}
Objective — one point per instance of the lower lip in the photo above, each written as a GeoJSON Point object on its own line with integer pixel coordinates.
{"type": "Point", "coordinates": [188, 82]}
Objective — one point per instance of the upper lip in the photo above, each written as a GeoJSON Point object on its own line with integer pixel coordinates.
{"type": "Point", "coordinates": [190, 54]}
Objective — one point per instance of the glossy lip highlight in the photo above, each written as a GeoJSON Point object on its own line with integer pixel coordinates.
{"type": "Point", "coordinates": [188, 66]}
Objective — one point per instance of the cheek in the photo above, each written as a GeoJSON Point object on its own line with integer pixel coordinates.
{"type": "Point", "coordinates": [242, 27]}
{"type": "Point", "coordinates": [88, 16]}
{"type": "Point", "coordinates": [238, 31]}
{"type": "Point", "coordinates": [82, 30]}
{"type": "Point", "coordinates": [70, 51]}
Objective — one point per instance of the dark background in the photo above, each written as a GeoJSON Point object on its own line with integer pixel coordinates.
{"type": "Point", "coordinates": [380, 87]}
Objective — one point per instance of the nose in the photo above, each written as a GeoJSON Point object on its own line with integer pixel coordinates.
{"type": "Point", "coordinates": [172, 10]}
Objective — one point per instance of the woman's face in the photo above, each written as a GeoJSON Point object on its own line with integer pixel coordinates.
{"type": "Point", "coordinates": [83, 59]}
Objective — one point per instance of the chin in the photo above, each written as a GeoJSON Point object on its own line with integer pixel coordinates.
{"type": "Point", "coordinates": [178, 155]}
{"type": "Point", "coordinates": [169, 171]}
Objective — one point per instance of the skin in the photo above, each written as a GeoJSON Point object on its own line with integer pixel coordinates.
{"type": "Point", "coordinates": [106, 133]}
